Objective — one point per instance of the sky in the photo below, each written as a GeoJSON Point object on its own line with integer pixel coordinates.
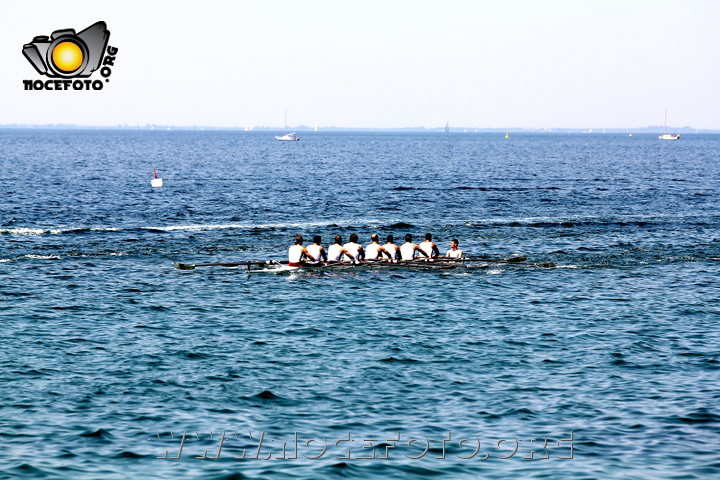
{"type": "Point", "coordinates": [379, 64]}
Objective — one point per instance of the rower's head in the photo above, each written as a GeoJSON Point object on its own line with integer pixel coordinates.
{"type": "Point", "coordinates": [454, 243]}
{"type": "Point", "coordinates": [428, 237]}
{"type": "Point", "coordinates": [298, 240]}
{"type": "Point", "coordinates": [374, 238]}
{"type": "Point", "coordinates": [408, 238]}
{"type": "Point", "coordinates": [390, 239]}
{"type": "Point", "coordinates": [338, 239]}
{"type": "Point", "coordinates": [353, 238]}
{"type": "Point", "coordinates": [317, 239]}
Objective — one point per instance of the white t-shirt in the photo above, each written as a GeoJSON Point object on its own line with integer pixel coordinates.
{"type": "Point", "coordinates": [426, 247]}
{"type": "Point", "coordinates": [334, 252]}
{"type": "Point", "coordinates": [392, 248]}
{"type": "Point", "coordinates": [407, 251]}
{"type": "Point", "coordinates": [354, 250]}
{"type": "Point", "coordinates": [314, 250]}
{"type": "Point", "coordinates": [295, 254]}
{"type": "Point", "coordinates": [372, 251]}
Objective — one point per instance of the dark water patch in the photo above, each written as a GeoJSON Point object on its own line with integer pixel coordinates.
{"type": "Point", "coordinates": [100, 433]}
{"type": "Point", "coordinates": [157, 308]}
{"type": "Point", "coordinates": [229, 476]}
{"type": "Point", "coordinates": [147, 418]}
{"type": "Point", "coordinates": [30, 372]}
{"type": "Point", "coordinates": [224, 411]}
{"type": "Point", "coordinates": [400, 226]}
{"type": "Point", "coordinates": [419, 471]}
{"type": "Point", "coordinates": [398, 360]}
{"type": "Point", "coordinates": [128, 454]}
{"type": "Point", "coordinates": [193, 355]}
{"type": "Point", "coordinates": [29, 471]}
{"type": "Point", "coordinates": [267, 395]}
{"type": "Point", "coordinates": [76, 308]}
{"type": "Point", "coordinates": [700, 416]}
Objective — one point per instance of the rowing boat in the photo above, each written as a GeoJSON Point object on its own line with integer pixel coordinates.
{"type": "Point", "coordinates": [276, 267]}
{"type": "Point", "coordinates": [358, 267]}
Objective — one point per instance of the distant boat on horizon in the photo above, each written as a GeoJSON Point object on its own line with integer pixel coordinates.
{"type": "Point", "coordinates": [447, 127]}
{"type": "Point", "coordinates": [287, 136]}
{"type": "Point", "coordinates": [667, 136]}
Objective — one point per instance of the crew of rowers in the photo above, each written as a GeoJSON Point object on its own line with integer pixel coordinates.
{"type": "Point", "coordinates": [352, 251]}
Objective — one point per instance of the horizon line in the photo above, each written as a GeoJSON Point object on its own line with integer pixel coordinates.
{"type": "Point", "coordinates": [306, 128]}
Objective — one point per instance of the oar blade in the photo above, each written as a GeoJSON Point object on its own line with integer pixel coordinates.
{"type": "Point", "coordinates": [184, 266]}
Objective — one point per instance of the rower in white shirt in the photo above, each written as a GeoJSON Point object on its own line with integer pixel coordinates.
{"type": "Point", "coordinates": [429, 247]}
{"type": "Point", "coordinates": [317, 250]}
{"type": "Point", "coordinates": [355, 250]}
{"type": "Point", "coordinates": [454, 251]}
{"type": "Point", "coordinates": [336, 251]}
{"type": "Point", "coordinates": [392, 249]}
{"type": "Point", "coordinates": [297, 253]}
{"type": "Point", "coordinates": [375, 251]}
{"type": "Point", "coordinates": [408, 250]}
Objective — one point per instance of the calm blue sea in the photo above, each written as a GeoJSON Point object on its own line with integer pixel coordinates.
{"type": "Point", "coordinates": [110, 357]}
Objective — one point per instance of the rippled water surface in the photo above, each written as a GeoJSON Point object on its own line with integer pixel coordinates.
{"type": "Point", "coordinates": [112, 358]}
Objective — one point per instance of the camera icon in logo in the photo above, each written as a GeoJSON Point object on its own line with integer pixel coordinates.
{"type": "Point", "coordinates": [67, 54]}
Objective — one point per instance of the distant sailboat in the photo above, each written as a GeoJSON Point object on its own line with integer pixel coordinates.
{"type": "Point", "coordinates": [447, 127]}
{"type": "Point", "coordinates": [507, 134]}
{"type": "Point", "coordinates": [316, 127]}
{"type": "Point", "coordinates": [287, 136]}
{"type": "Point", "coordinates": [667, 136]}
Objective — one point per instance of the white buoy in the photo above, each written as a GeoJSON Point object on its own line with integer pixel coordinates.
{"type": "Point", "coordinates": [156, 182]}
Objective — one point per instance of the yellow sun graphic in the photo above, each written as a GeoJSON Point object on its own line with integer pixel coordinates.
{"type": "Point", "coordinates": [67, 56]}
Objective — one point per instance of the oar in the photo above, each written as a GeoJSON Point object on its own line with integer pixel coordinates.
{"type": "Point", "coordinates": [192, 266]}
{"type": "Point", "coordinates": [519, 260]}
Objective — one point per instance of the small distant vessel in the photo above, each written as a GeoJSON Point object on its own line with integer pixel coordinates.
{"type": "Point", "coordinates": [287, 136]}
{"type": "Point", "coordinates": [507, 134]}
{"type": "Point", "coordinates": [447, 127]}
{"type": "Point", "coordinates": [665, 135]}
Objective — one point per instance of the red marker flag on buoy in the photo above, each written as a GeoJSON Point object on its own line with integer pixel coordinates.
{"type": "Point", "coordinates": [156, 182]}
